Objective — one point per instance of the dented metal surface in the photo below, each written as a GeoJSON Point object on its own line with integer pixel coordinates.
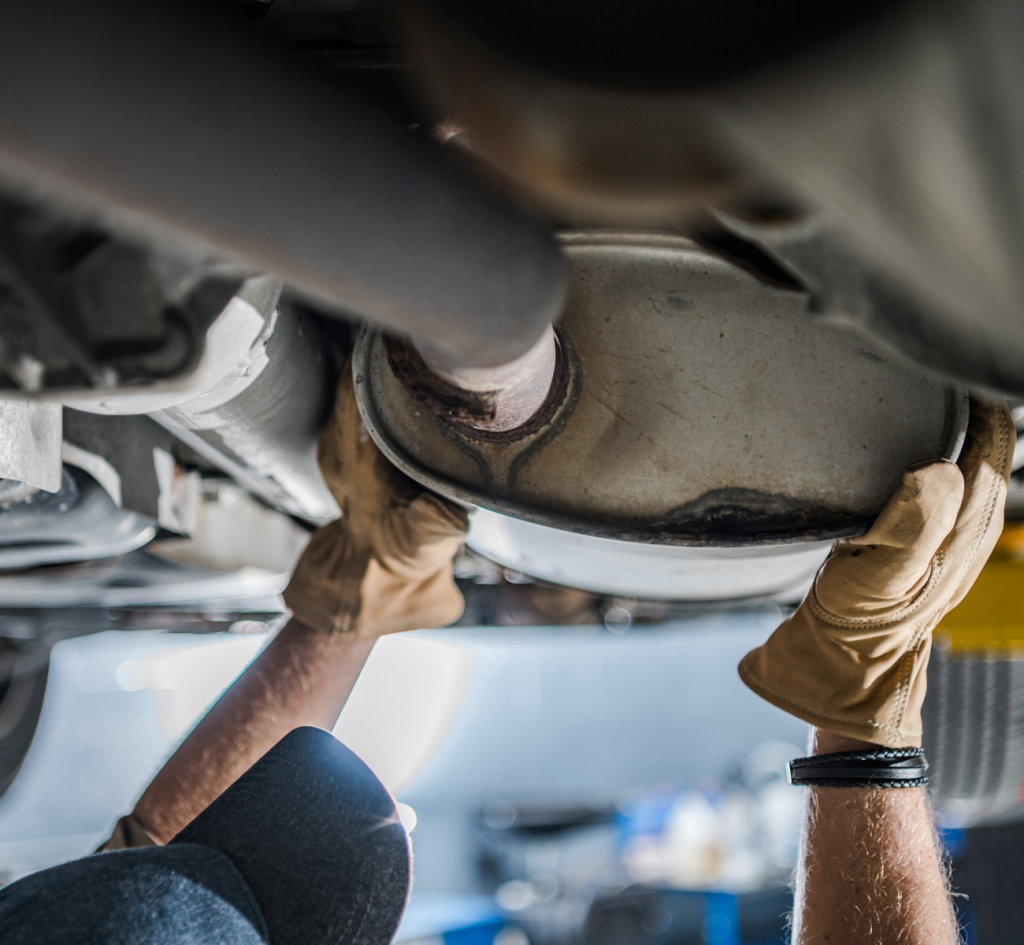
{"type": "Point", "coordinates": [702, 407]}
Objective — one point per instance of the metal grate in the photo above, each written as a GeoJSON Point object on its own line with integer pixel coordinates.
{"type": "Point", "coordinates": [974, 730]}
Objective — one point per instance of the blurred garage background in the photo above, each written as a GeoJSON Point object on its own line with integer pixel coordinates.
{"type": "Point", "coordinates": [603, 781]}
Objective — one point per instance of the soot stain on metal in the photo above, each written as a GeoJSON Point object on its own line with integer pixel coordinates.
{"type": "Point", "coordinates": [676, 301]}
{"type": "Point", "coordinates": [870, 355]}
{"type": "Point", "coordinates": [555, 398]}
{"type": "Point", "coordinates": [572, 367]}
{"type": "Point", "coordinates": [468, 412]}
{"type": "Point", "coordinates": [470, 449]}
{"type": "Point", "coordinates": [741, 516]}
{"type": "Point", "coordinates": [438, 395]}
{"type": "Point", "coordinates": [491, 455]}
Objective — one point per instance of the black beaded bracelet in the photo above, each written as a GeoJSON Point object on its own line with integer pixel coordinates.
{"type": "Point", "coordinates": [882, 768]}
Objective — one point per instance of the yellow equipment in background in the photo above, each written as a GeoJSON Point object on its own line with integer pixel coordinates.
{"type": "Point", "coordinates": [990, 619]}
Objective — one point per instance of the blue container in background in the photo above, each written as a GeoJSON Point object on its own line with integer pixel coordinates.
{"type": "Point", "coordinates": [450, 920]}
{"type": "Point", "coordinates": [643, 915]}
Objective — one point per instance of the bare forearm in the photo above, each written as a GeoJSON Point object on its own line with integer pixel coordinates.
{"type": "Point", "coordinates": [870, 866]}
{"type": "Point", "coordinates": [301, 678]}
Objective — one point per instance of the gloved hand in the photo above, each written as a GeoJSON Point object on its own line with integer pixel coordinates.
{"type": "Point", "coordinates": [128, 833]}
{"type": "Point", "coordinates": [386, 564]}
{"type": "Point", "coordinates": [852, 659]}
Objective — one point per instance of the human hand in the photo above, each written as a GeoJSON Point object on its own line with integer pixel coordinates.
{"type": "Point", "coordinates": [852, 659]}
{"type": "Point", "coordinates": [386, 565]}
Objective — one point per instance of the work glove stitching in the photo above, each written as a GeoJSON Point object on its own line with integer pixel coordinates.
{"type": "Point", "coordinates": [873, 660]}
{"type": "Point", "coordinates": [851, 623]}
{"type": "Point", "coordinates": [991, 504]}
{"type": "Point", "coordinates": [980, 532]}
{"type": "Point", "coordinates": [758, 684]}
{"type": "Point", "coordinates": [899, 705]}
{"type": "Point", "coordinates": [386, 566]}
{"type": "Point", "coordinates": [905, 665]}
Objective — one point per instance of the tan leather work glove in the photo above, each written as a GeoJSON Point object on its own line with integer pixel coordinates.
{"type": "Point", "coordinates": [128, 833]}
{"type": "Point", "coordinates": [852, 659]}
{"type": "Point", "coordinates": [386, 564]}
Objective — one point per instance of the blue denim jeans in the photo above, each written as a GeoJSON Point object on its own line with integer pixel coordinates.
{"type": "Point", "coordinates": [163, 896]}
{"type": "Point", "coordinates": [304, 849]}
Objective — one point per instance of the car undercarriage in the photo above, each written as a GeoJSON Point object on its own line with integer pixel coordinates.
{"type": "Point", "coordinates": [669, 317]}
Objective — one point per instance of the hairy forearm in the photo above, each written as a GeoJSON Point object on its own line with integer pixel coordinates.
{"type": "Point", "coordinates": [301, 678]}
{"type": "Point", "coordinates": [870, 869]}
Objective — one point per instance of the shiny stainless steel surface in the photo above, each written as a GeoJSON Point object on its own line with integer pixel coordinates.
{"type": "Point", "coordinates": [703, 408]}
{"type": "Point", "coordinates": [79, 522]}
{"type": "Point", "coordinates": [261, 425]}
{"type": "Point", "coordinates": [643, 570]}
{"type": "Point", "coordinates": [255, 404]}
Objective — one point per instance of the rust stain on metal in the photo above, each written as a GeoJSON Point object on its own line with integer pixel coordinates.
{"type": "Point", "coordinates": [438, 395]}
{"type": "Point", "coordinates": [476, 414]}
{"type": "Point", "coordinates": [540, 417]}
{"type": "Point", "coordinates": [724, 473]}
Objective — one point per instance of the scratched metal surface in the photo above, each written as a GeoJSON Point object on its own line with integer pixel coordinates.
{"type": "Point", "coordinates": [704, 407]}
